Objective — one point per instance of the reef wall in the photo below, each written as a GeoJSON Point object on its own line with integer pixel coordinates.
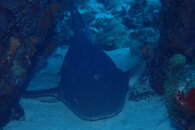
{"type": "Point", "coordinates": [172, 68]}
{"type": "Point", "coordinates": [25, 29]}
{"type": "Point", "coordinates": [177, 36]}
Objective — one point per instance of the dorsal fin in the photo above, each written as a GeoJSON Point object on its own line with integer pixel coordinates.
{"type": "Point", "coordinates": [78, 25]}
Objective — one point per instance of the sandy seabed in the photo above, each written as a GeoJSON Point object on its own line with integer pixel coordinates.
{"type": "Point", "coordinates": [147, 114]}
{"type": "Point", "coordinates": [50, 114]}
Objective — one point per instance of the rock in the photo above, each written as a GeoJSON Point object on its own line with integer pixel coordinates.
{"type": "Point", "coordinates": [116, 27]}
{"type": "Point", "coordinates": [180, 95]}
{"type": "Point", "coordinates": [26, 32]}
{"type": "Point", "coordinates": [177, 60]}
{"type": "Point", "coordinates": [176, 36]}
{"type": "Point", "coordinates": [149, 35]}
{"type": "Point", "coordinates": [114, 35]}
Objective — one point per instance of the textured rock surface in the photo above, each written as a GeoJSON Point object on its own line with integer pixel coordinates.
{"type": "Point", "coordinates": [174, 77]}
{"type": "Point", "coordinates": [118, 24]}
{"type": "Point", "coordinates": [179, 92]}
{"type": "Point", "coordinates": [177, 36]}
{"type": "Point", "coordinates": [24, 26]}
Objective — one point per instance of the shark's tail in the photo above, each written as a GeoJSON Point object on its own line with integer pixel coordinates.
{"type": "Point", "coordinates": [40, 93]}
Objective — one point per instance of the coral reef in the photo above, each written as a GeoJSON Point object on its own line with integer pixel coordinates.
{"type": "Point", "coordinates": [9, 107]}
{"type": "Point", "coordinates": [177, 36]}
{"type": "Point", "coordinates": [118, 24]}
{"type": "Point", "coordinates": [180, 90]}
{"type": "Point", "coordinates": [113, 36]}
{"type": "Point", "coordinates": [25, 27]}
{"type": "Point", "coordinates": [172, 68]}
{"type": "Point", "coordinates": [177, 60]}
{"type": "Point", "coordinates": [30, 31]}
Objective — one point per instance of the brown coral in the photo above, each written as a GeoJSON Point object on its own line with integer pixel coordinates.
{"type": "Point", "coordinates": [14, 44]}
{"type": "Point", "coordinates": [55, 7]}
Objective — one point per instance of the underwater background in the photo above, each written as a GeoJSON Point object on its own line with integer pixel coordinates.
{"type": "Point", "coordinates": [113, 65]}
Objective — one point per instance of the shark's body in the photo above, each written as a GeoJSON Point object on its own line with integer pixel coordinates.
{"type": "Point", "coordinates": [91, 85]}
